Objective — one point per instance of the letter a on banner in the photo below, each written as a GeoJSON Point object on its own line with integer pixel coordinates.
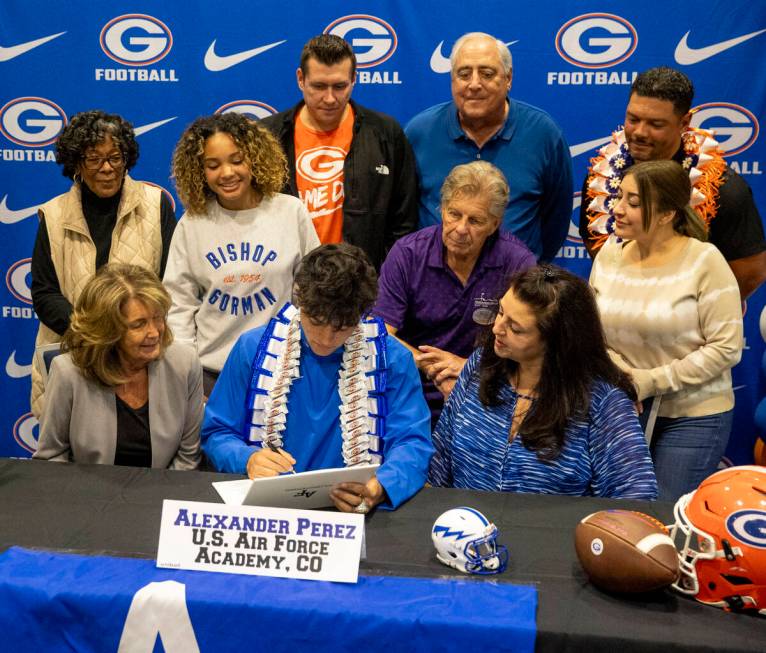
{"type": "Point", "coordinates": [159, 608]}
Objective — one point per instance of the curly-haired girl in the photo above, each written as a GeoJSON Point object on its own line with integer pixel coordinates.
{"type": "Point", "coordinates": [233, 255]}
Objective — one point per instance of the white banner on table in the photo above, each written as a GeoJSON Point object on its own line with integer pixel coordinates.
{"type": "Point", "coordinates": [308, 544]}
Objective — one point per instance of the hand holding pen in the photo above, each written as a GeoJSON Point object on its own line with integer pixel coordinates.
{"type": "Point", "coordinates": [270, 461]}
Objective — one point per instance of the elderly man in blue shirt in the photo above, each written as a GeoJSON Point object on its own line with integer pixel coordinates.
{"type": "Point", "coordinates": [482, 122]}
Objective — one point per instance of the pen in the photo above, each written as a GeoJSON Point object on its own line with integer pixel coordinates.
{"type": "Point", "coordinates": [275, 449]}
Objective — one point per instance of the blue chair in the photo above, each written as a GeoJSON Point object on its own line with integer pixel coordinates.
{"type": "Point", "coordinates": [45, 355]}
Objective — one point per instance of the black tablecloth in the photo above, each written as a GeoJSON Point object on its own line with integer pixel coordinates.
{"type": "Point", "coordinates": [116, 511]}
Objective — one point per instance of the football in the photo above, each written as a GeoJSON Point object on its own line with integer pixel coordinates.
{"type": "Point", "coordinates": [626, 551]}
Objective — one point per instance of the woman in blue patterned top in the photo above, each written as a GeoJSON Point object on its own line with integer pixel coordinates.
{"type": "Point", "coordinates": [540, 407]}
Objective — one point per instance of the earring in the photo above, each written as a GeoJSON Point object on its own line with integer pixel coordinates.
{"type": "Point", "coordinates": [77, 177]}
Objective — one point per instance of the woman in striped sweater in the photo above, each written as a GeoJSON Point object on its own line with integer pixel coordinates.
{"type": "Point", "coordinates": [540, 407]}
{"type": "Point", "coordinates": [672, 316]}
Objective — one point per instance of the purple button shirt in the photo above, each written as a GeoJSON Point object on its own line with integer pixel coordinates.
{"type": "Point", "coordinates": [428, 305]}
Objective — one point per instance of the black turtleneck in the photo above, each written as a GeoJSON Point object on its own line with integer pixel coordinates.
{"type": "Point", "coordinates": [101, 216]}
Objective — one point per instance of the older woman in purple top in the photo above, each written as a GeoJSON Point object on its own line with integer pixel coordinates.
{"type": "Point", "coordinates": [439, 285]}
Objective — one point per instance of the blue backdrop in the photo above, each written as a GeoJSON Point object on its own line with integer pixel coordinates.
{"type": "Point", "coordinates": [161, 64]}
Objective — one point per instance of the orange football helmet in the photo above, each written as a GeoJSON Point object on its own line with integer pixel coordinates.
{"type": "Point", "coordinates": [722, 528]}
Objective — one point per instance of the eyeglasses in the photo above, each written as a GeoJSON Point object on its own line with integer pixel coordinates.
{"type": "Point", "coordinates": [96, 162]}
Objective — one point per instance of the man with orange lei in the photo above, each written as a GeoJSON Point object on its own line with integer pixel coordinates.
{"type": "Point", "coordinates": [657, 127]}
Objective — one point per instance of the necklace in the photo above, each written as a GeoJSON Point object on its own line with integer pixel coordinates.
{"type": "Point", "coordinates": [516, 386]}
{"type": "Point", "coordinates": [361, 386]}
{"type": "Point", "coordinates": [521, 407]}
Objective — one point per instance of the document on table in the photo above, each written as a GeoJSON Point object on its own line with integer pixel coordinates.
{"type": "Point", "coordinates": [303, 490]}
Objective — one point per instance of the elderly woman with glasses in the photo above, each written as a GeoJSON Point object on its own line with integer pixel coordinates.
{"type": "Point", "coordinates": [104, 217]}
{"type": "Point", "coordinates": [123, 393]}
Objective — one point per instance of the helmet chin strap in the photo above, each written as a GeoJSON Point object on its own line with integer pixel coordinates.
{"type": "Point", "coordinates": [729, 553]}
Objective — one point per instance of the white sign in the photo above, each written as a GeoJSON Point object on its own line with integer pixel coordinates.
{"type": "Point", "coordinates": [308, 544]}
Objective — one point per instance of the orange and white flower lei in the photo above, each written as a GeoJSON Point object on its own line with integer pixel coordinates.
{"type": "Point", "coordinates": [702, 159]}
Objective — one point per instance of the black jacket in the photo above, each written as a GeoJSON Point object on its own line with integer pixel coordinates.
{"type": "Point", "coordinates": [380, 202]}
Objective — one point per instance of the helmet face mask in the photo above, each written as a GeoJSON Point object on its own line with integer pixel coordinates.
{"type": "Point", "coordinates": [482, 553]}
{"type": "Point", "coordinates": [720, 532]}
{"type": "Point", "coordinates": [466, 540]}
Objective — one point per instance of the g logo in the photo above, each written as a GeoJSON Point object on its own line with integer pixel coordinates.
{"type": "Point", "coordinates": [32, 121]}
{"type": "Point", "coordinates": [321, 165]}
{"type": "Point", "coordinates": [596, 546]}
{"type": "Point", "coordinates": [151, 39]}
{"type": "Point", "coordinates": [749, 527]}
{"type": "Point", "coordinates": [17, 280]}
{"type": "Point", "coordinates": [612, 40]}
{"type": "Point", "coordinates": [25, 432]}
{"type": "Point", "coordinates": [574, 231]}
{"type": "Point", "coordinates": [378, 43]}
{"type": "Point", "coordinates": [251, 108]}
{"type": "Point", "coordinates": [736, 128]}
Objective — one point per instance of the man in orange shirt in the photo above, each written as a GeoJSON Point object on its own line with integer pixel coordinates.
{"type": "Point", "coordinates": [352, 167]}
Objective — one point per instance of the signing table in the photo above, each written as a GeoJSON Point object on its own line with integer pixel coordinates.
{"type": "Point", "coordinates": [88, 526]}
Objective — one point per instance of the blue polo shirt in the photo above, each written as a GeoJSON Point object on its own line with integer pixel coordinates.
{"type": "Point", "coordinates": [420, 296]}
{"type": "Point", "coordinates": [531, 151]}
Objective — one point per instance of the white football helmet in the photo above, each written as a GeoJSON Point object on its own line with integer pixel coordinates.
{"type": "Point", "coordinates": [466, 540]}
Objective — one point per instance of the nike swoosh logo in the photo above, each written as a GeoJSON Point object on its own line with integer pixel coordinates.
{"type": "Point", "coordinates": [440, 63]}
{"type": "Point", "coordinates": [738, 387]}
{"type": "Point", "coordinates": [576, 150]}
{"type": "Point", "coordinates": [138, 131]}
{"type": "Point", "coordinates": [14, 370]}
{"type": "Point", "coordinates": [8, 216]}
{"type": "Point", "coordinates": [6, 54]}
{"type": "Point", "coordinates": [687, 56]}
{"type": "Point", "coordinates": [216, 63]}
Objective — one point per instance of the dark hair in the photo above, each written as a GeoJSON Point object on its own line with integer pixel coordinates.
{"type": "Point", "coordinates": [335, 285]}
{"type": "Point", "coordinates": [665, 186]}
{"type": "Point", "coordinates": [666, 83]}
{"type": "Point", "coordinates": [261, 149]}
{"type": "Point", "coordinates": [88, 129]}
{"type": "Point", "coordinates": [327, 49]}
{"type": "Point", "coordinates": [575, 357]}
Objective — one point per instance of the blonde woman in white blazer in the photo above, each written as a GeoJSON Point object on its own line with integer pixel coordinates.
{"type": "Point", "coordinates": [122, 393]}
